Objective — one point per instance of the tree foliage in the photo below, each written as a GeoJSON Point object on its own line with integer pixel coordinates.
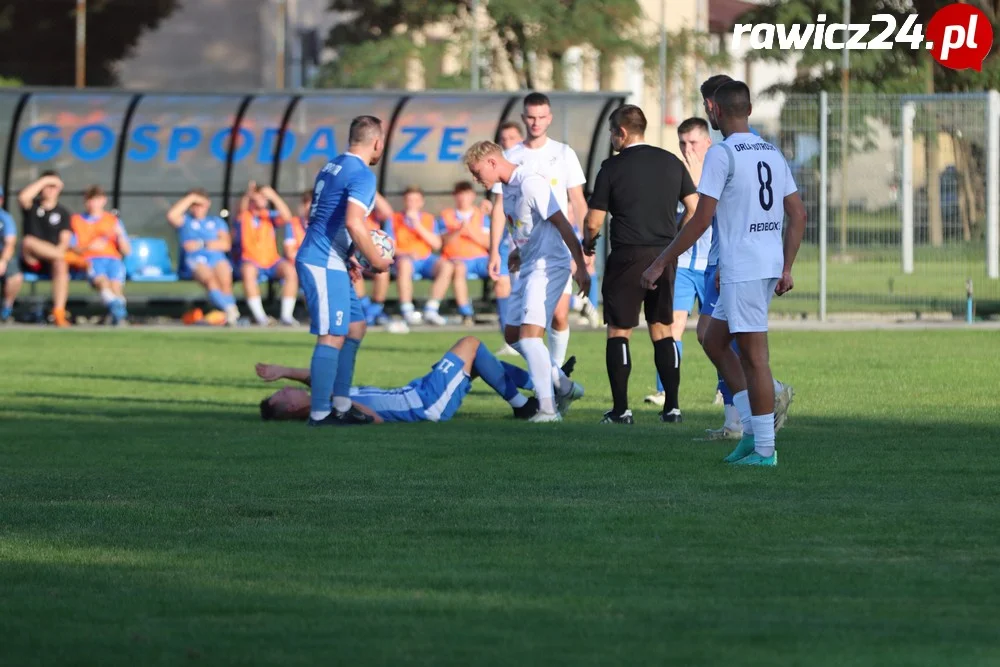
{"type": "Point", "coordinates": [38, 37]}
{"type": "Point", "coordinates": [374, 44]}
{"type": "Point", "coordinates": [898, 70]}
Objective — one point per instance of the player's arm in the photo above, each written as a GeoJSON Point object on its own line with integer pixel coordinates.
{"type": "Point", "coordinates": [478, 235]}
{"type": "Point", "coordinates": [175, 216]}
{"type": "Point", "coordinates": [26, 197]}
{"type": "Point", "coordinates": [360, 191]}
{"type": "Point", "coordinates": [796, 212]}
{"type": "Point", "coordinates": [541, 198]}
{"type": "Point", "coordinates": [690, 206]}
{"type": "Point", "coordinates": [223, 244]}
{"type": "Point", "coordinates": [429, 237]}
{"type": "Point", "coordinates": [122, 240]}
{"type": "Point", "coordinates": [65, 239]}
{"type": "Point", "coordinates": [279, 204]}
{"type": "Point", "coordinates": [9, 245]}
{"type": "Point", "coordinates": [274, 372]}
{"type": "Point", "coordinates": [368, 411]}
{"type": "Point", "coordinates": [599, 205]}
{"type": "Point", "coordinates": [579, 205]}
{"type": "Point", "coordinates": [383, 209]}
{"type": "Point", "coordinates": [688, 236]}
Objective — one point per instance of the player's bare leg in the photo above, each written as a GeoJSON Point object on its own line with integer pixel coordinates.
{"type": "Point", "coordinates": [460, 284]}
{"type": "Point", "coordinates": [251, 289]}
{"type": "Point", "coordinates": [755, 360]}
{"type": "Point", "coordinates": [289, 292]}
{"type": "Point", "coordinates": [444, 270]}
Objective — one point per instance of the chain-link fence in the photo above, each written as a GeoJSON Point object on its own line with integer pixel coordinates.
{"type": "Point", "coordinates": [908, 185]}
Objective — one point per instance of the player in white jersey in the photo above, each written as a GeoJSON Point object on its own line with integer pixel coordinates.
{"type": "Point", "coordinates": [546, 244]}
{"type": "Point", "coordinates": [743, 179]}
{"type": "Point", "coordinates": [561, 166]}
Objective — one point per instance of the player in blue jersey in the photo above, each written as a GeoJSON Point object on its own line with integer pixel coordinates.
{"type": "Point", "coordinates": [343, 196]}
{"type": "Point", "coordinates": [205, 243]}
{"type": "Point", "coordinates": [434, 397]}
{"type": "Point", "coordinates": [9, 275]}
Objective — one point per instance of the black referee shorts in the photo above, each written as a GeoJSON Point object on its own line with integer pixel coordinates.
{"type": "Point", "coordinates": [623, 294]}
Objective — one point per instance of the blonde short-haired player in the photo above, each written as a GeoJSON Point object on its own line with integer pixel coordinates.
{"type": "Point", "coordinates": [546, 244]}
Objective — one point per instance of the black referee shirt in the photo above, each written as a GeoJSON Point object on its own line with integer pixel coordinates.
{"type": "Point", "coordinates": [640, 188]}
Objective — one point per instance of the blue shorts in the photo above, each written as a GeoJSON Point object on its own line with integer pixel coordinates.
{"type": "Point", "coordinates": [210, 258]}
{"type": "Point", "coordinates": [480, 266]}
{"type": "Point", "coordinates": [711, 297]}
{"type": "Point", "coordinates": [111, 268]}
{"type": "Point", "coordinates": [333, 304]}
{"type": "Point", "coordinates": [267, 272]}
{"type": "Point", "coordinates": [422, 268]}
{"type": "Point", "coordinates": [688, 286]}
{"type": "Point", "coordinates": [434, 397]}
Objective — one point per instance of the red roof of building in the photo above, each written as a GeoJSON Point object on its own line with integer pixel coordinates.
{"type": "Point", "coordinates": [723, 14]}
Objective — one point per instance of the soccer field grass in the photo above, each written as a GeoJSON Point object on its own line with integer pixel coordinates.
{"type": "Point", "coordinates": [148, 518]}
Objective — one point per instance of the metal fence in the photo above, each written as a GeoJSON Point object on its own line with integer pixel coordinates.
{"type": "Point", "coordinates": [902, 197]}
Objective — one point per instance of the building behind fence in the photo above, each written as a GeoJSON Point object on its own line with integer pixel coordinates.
{"type": "Point", "coordinates": [902, 191]}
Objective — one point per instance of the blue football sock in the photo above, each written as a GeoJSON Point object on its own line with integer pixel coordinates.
{"type": "Point", "coordinates": [520, 376]}
{"type": "Point", "coordinates": [118, 310]}
{"type": "Point", "coordinates": [493, 374]}
{"type": "Point", "coordinates": [680, 348]}
{"type": "Point", "coordinates": [218, 299]}
{"type": "Point", "coordinates": [6, 311]}
{"type": "Point", "coordinates": [659, 383]}
{"type": "Point", "coordinates": [727, 396]}
{"type": "Point", "coordinates": [735, 347]}
{"type": "Point", "coordinates": [502, 312]}
{"type": "Point", "coordinates": [465, 310]}
{"type": "Point", "coordinates": [322, 374]}
{"type": "Point", "coordinates": [345, 371]}
{"type": "Point", "coordinates": [373, 310]}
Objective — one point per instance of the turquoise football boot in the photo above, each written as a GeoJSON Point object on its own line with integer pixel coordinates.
{"type": "Point", "coordinates": [744, 448]}
{"type": "Point", "coordinates": [756, 459]}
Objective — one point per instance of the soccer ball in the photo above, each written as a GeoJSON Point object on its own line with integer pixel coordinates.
{"type": "Point", "coordinates": [383, 243]}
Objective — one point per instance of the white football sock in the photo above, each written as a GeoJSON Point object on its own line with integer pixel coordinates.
{"type": "Point", "coordinates": [518, 401]}
{"type": "Point", "coordinates": [733, 417]}
{"type": "Point", "coordinates": [406, 308]}
{"type": "Point", "coordinates": [558, 344]}
{"type": "Point", "coordinates": [742, 402]}
{"type": "Point", "coordinates": [763, 434]}
{"type": "Point", "coordinates": [341, 404]}
{"type": "Point", "coordinates": [107, 296]}
{"type": "Point", "coordinates": [778, 387]}
{"type": "Point", "coordinates": [432, 305]}
{"type": "Point", "coordinates": [232, 314]}
{"type": "Point", "coordinates": [563, 385]}
{"type": "Point", "coordinates": [540, 370]}
{"type": "Point", "coordinates": [287, 308]}
{"type": "Point", "coordinates": [257, 309]}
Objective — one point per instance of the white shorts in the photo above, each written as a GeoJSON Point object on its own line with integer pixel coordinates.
{"type": "Point", "coordinates": [744, 305]}
{"type": "Point", "coordinates": [534, 296]}
{"type": "Point", "coordinates": [569, 285]}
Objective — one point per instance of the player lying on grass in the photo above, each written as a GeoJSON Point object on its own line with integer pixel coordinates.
{"type": "Point", "coordinates": [433, 397]}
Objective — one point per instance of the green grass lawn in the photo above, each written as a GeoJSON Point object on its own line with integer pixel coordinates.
{"type": "Point", "coordinates": [148, 518]}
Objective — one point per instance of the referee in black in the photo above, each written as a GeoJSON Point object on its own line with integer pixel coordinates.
{"type": "Point", "coordinates": [640, 188]}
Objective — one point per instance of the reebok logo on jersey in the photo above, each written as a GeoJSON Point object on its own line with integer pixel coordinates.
{"type": "Point", "coordinates": [765, 227]}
